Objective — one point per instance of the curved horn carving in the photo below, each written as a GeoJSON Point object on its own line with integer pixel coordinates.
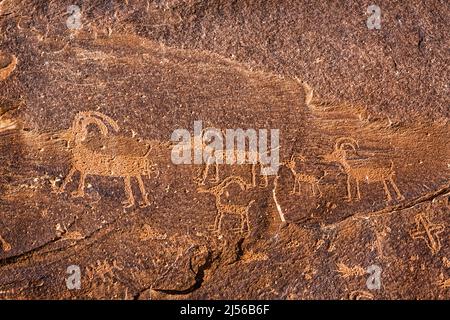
{"type": "Point", "coordinates": [346, 141]}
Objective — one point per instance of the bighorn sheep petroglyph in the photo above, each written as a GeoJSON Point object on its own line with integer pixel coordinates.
{"type": "Point", "coordinates": [240, 210]}
{"type": "Point", "coordinates": [300, 178]}
{"type": "Point", "coordinates": [88, 161]}
{"type": "Point", "coordinates": [369, 173]}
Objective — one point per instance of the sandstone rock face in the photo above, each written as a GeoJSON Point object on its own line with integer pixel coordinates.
{"type": "Point", "coordinates": [91, 94]}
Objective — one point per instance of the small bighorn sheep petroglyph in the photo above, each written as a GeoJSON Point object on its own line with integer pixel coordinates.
{"type": "Point", "coordinates": [95, 162]}
{"type": "Point", "coordinates": [252, 156]}
{"type": "Point", "coordinates": [240, 210]}
{"type": "Point", "coordinates": [300, 178]}
{"type": "Point", "coordinates": [368, 173]}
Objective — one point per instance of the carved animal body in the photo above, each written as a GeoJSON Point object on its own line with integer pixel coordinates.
{"type": "Point", "coordinates": [369, 173]}
{"type": "Point", "coordinates": [222, 209]}
{"type": "Point", "coordinates": [93, 162]}
{"type": "Point", "coordinates": [247, 155]}
{"type": "Point", "coordinates": [300, 178]}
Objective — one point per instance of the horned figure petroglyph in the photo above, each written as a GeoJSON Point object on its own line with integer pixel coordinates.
{"type": "Point", "coordinates": [247, 155]}
{"type": "Point", "coordinates": [300, 178]}
{"type": "Point", "coordinates": [222, 209]}
{"type": "Point", "coordinates": [252, 156]}
{"type": "Point", "coordinates": [368, 173]}
{"type": "Point", "coordinates": [95, 162]}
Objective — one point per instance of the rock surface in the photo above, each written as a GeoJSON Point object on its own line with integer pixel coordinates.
{"type": "Point", "coordinates": [98, 101]}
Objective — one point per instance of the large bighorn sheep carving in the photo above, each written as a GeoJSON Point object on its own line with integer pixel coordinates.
{"type": "Point", "coordinates": [367, 173]}
{"type": "Point", "coordinates": [236, 209]}
{"type": "Point", "coordinates": [94, 162]}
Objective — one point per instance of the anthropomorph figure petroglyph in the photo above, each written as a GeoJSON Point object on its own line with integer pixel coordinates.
{"type": "Point", "coordinates": [429, 232]}
{"type": "Point", "coordinates": [93, 161]}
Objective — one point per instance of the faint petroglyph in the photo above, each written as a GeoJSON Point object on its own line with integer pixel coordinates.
{"type": "Point", "coordinates": [368, 173]}
{"type": "Point", "coordinates": [428, 231]}
{"type": "Point", "coordinates": [72, 236]}
{"type": "Point", "coordinates": [241, 210]}
{"type": "Point", "coordinates": [250, 256]}
{"type": "Point", "coordinates": [147, 233]}
{"type": "Point", "coordinates": [446, 262]}
{"type": "Point", "coordinates": [103, 280]}
{"type": "Point", "coordinates": [7, 65]}
{"type": "Point", "coordinates": [347, 272]}
{"type": "Point", "coordinates": [88, 161]}
{"type": "Point", "coordinates": [360, 295]}
{"type": "Point", "coordinates": [214, 146]}
{"type": "Point", "coordinates": [442, 282]}
{"type": "Point", "coordinates": [301, 178]}
{"type": "Point", "coordinates": [215, 157]}
{"type": "Point", "coordinates": [5, 245]}
{"type": "Point", "coordinates": [7, 123]}
{"type": "Point", "coordinates": [102, 269]}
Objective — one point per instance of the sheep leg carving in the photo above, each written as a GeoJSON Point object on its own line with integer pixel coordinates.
{"type": "Point", "coordinates": [219, 224]}
{"type": "Point", "coordinates": [247, 221]}
{"type": "Point", "coordinates": [397, 191]}
{"type": "Point", "coordinates": [313, 189]}
{"type": "Point", "coordinates": [216, 179]}
{"type": "Point", "coordinates": [216, 221]}
{"type": "Point", "coordinates": [242, 223]}
{"type": "Point", "coordinates": [386, 190]}
{"type": "Point", "coordinates": [67, 179]}
{"type": "Point", "coordinates": [80, 190]}
{"type": "Point", "coordinates": [293, 187]}
{"type": "Point", "coordinates": [358, 192]}
{"type": "Point", "coordinates": [146, 203]}
{"type": "Point", "coordinates": [204, 174]}
{"type": "Point", "coordinates": [316, 185]}
{"type": "Point", "coordinates": [266, 182]}
{"type": "Point", "coordinates": [349, 189]}
{"type": "Point", "coordinates": [253, 174]}
{"type": "Point", "coordinates": [130, 201]}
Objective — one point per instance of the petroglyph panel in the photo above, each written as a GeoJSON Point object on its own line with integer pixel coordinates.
{"type": "Point", "coordinates": [87, 178]}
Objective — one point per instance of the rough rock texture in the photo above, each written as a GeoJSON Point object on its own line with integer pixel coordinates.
{"type": "Point", "coordinates": [114, 90]}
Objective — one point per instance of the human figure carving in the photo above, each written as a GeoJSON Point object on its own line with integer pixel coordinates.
{"type": "Point", "coordinates": [369, 173]}
{"type": "Point", "coordinates": [429, 232]}
{"type": "Point", "coordinates": [241, 210]}
{"type": "Point", "coordinates": [94, 162]}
